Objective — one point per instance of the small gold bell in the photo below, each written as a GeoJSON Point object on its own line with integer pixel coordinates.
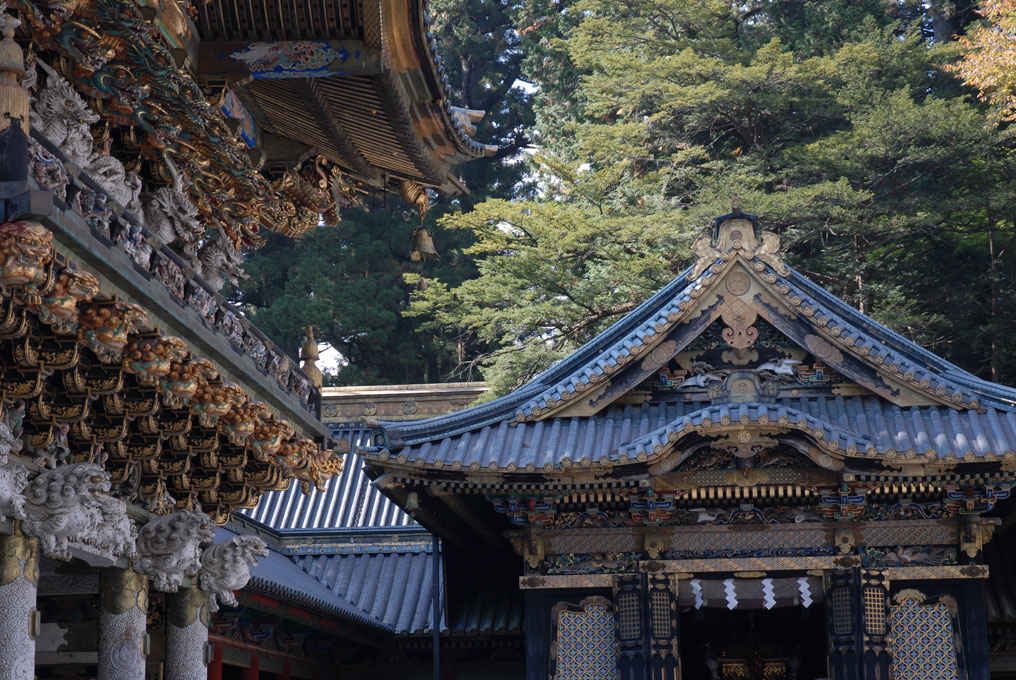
{"type": "Point", "coordinates": [423, 245]}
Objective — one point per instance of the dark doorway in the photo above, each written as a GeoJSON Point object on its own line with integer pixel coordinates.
{"type": "Point", "coordinates": [787, 643]}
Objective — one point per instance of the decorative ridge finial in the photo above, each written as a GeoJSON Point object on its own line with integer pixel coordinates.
{"type": "Point", "coordinates": [736, 231]}
{"type": "Point", "coordinates": [309, 354]}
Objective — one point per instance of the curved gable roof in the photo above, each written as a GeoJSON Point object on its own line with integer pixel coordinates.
{"type": "Point", "coordinates": [891, 364]}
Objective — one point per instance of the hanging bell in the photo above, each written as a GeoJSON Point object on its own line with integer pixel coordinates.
{"type": "Point", "coordinates": [423, 245]}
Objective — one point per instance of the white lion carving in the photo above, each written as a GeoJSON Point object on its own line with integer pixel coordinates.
{"type": "Point", "coordinates": [71, 507]}
{"type": "Point", "coordinates": [225, 567]}
{"type": "Point", "coordinates": [169, 547]}
{"type": "Point", "coordinates": [220, 262]}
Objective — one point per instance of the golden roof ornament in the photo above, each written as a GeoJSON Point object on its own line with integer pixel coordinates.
{"type": "Point", "coordinates": [736, 232]}
{"type": "Point", "coordinates": [309, 354]}
{"type": "Point", "coordinates": [13, 97]}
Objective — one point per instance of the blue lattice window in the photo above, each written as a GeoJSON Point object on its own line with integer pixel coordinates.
{"type": "Point", "coordinates": [585, 647]}
{"type": "Point", "coordinates": [923, 641]}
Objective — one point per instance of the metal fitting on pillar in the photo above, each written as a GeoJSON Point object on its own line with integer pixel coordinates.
{"type": "Point", "coordinates": [19, 580]}
{"type": "Point", "coordinates": [123, 637]}
{"type": "Point", "coordinates": [187, 634]}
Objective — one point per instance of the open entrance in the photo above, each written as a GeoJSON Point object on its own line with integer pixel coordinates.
{"type": "Point", "coordinates": [785, 643]}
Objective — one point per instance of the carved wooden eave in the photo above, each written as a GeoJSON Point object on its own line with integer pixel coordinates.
{"type": "Point", "coordinates": [377, 105]}
{"type": "Point", "coordinates": [380, 120]}
{"type": "Point", "coordinates": [87, 378]}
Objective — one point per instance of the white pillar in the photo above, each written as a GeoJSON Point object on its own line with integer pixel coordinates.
{"type": "Point", "coordinates": [19, 581]}
{"type": "Point", "coordinates": [186, 634]}
{"type": "Point", "coordinates": [122, 626]}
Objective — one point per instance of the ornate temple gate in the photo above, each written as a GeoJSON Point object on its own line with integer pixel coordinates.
{"type": "Point", "coordinates": [743, 441]}
{"type": "Point", "coordinates": [904, 623]}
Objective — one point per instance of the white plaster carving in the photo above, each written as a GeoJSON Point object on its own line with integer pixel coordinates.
{"type": "Point", "coordinates": [65, 119]}
{"type": "Point", "coordinates": [185, 659]}
{"type": "Point", "coordinates": [120, 640]}
{"type": "Point", "coordinates": [70, 507]}
{"type": "Point", "coordinates": [172, 219]}
{"type": "Point", "coordinates": [13, 480]}
{"type": "Point", "coordinates": [225, 567]}
{"type": "Point", "coordinates": [169, 547]}
{"type": "Point", "coordinates": [19, 573]}
{"type": "Point", "coordinates": [221, 262]}
{"type": "Point", "coordinates": [13, 475]}
{"type": "Point", "coordinates": [60, 113]}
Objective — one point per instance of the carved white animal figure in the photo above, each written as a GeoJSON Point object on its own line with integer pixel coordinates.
{"type": "Point", "coordinates": [65, 119]}
{"type": "Point", "coordinates": [62, 116]}
{"type": "Point", "coordinates": [169, 547]}
{"type": "Point", "coordinates": [225, 567]}
{"type": "Point", "coordinates": [220, 262]}
{"type": "Point", "coordinates": [172, 218]}
{"type": "Point", "coordinates": [71, 504]}
{"type": "Point", "coordinates": [781, 367]}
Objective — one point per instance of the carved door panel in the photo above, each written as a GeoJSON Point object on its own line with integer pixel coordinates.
{"type": "Point", "coordinates": [584, 645]}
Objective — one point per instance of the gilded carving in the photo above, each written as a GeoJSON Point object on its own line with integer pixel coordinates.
{"type": "Point", "coordinates": [150, 358]}
{"type": "Point", "coordinates": [212, 400]}
{"type": "Point", "coordinates": [740, 332]}
{"type": "Point", "coordinates": [58, 307]}
{"type": "Point", "coordinates": [303, 460]}
{"type": "Point", "coordinates": [186, 606]}
{"type": "Point", "coordinates": [105, 326]}
{"type": "Point", "coordinates": [26, 248]}
{"type": "Point", "coordinates": [19, 555]}
{"type": "Point", "coordinates": [182, 381]}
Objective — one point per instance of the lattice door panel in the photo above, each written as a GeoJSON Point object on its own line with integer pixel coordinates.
{"type": "Point", "coordinates": [923, 641]}
{"type": "Point", "coordinates": [585, 647]}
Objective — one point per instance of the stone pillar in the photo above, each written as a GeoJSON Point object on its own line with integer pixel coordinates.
{"type": "Point", "coordinates": [19, 581]}
{"type": "Point", "coordinates": [187, 634]}
{"type": "Point", "coordinates": [122, 625]}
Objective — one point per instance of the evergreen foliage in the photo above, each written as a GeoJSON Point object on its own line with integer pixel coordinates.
{"type": "Point", "coordinates": [836, 122]}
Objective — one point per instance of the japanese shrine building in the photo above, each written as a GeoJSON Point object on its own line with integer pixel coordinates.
{"type": "Point", "coordinates": [743, 478]}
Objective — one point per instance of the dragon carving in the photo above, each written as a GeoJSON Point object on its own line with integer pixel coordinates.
{"type": "Point", "coordinates": [225, 567]}
{"type": "Point", "coordinates": [169, 547]}
{"type": "Point", "coordinates": [65, 119]}
{"type": "Point", "coordinates": [173, 220]}
{"type": "Point", "coordinates": [221, 262]}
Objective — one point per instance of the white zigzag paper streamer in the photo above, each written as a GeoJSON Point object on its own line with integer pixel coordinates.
{"type": "Point", "coordinates": [696, 589]}
{"type": "Point", "coordinates": [728, 588]}
{"type": "Point", "coordinates": [805, 590]}
{"type": "Point", "coordinates": [768, 595]}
